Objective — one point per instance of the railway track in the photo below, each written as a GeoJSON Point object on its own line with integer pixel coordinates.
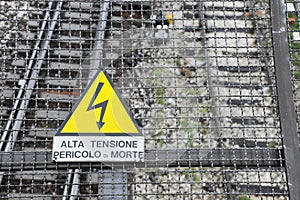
{"type": "Point", "coordinates": [238, 73]}
{"type": "Point", "coordinates": [241, 81]}
{"type": "Point", "coordinates": [53, 63]}
{"type": "Point", "coordinates": [51, 53]}
{"type": "Point", "coordinates": [54, 58]}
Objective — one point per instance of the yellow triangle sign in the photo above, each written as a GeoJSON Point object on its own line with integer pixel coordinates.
{"type": "Point", "coordinates": [99, 128]}
{"type": "Point", "coordinates": [100, 110]}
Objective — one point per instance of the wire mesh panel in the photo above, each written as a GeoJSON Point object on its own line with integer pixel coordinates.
{"type": "Point", "coordinates": [292, 11]}
{"type": "Point", "coordinates": [197, 76]}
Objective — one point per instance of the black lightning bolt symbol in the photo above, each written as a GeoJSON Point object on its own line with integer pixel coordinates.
{"type": "Point", "coordinates": [102, 105]}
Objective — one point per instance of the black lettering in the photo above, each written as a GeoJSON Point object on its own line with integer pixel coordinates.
{"type": "Point", "coordinates": [93, 142]}
{"type": "Point", "coordinates": [134, 154]}
{"type": "Point", "coordinates": [141, 155]}
{"type": "Point", "coordinates": [121, 144]}
{"type": "Point", "coordinates": [134, 144]}
{"type": "Point", "coordinates": [97, 154]}
{"type": "Point", "coordinates": [122, 154]}
{"type": "Point", "coordinates": [68, 154]}
{"type": "Point", "coordinates": [77, 154]}
{"type": "Point", "coordinates": [62, 154]}
{"type": "Point", "coordinates": [127, 144]}
{"type": "Point", "coordinates": [89, 154]}
{"type": "Point", "coordinates": [112, 144]}
{"type": "Point", "coordinates": [63, 144]}
{"type": "Point", "coordinates": [128, 154]}
{"type": "Point", "coordinates": [114, 154]}
{"type": "Point", "coordinates": [55, 154]}
{"type": "Point", "coordinates": [80, 144]}
{"type": "Point", "coordinates": [84, 154]}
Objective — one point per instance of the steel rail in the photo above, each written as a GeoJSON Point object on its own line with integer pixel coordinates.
{"type": "Point", "coordinates": [6, 134]}
{"type": "Point", "coordinates": [263, 52]}
{"type": "Point", "coordinates": [213, 93]}
{"type": "Point", "coordinates": [72, 184]}
{"type": "Point", "coordinates": [28, 83]}
{"type": "Point", "coordinates": [67, 183]}
{"type": "Point", "coordinates": [96, 55]}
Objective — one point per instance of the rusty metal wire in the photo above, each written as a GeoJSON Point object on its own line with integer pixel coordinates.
{"type": "Point", "coordinates": [197, 76]}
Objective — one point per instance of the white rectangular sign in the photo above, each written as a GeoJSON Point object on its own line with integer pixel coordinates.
{"type": "Point", "coordinates": [98, 149]}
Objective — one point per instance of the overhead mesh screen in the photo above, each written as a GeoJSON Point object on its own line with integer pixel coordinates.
{"type": "Point", "coordinates": [198, 79]}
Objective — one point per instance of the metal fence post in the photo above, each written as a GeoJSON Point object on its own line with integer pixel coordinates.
{"type": "Point", "coordinates": [285, 98]}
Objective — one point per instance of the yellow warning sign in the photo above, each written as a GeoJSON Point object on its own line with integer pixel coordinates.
{"type": "Point", "coordinates": [100, 110]}
{"type": "Point", "coordinates": [99, 128]}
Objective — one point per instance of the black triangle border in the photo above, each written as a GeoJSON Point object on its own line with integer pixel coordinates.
{"type": "Point", "coordinates": [58, 133]}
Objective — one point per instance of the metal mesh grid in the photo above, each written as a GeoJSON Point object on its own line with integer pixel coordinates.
{"type": "Point", "coordinates": [292, 11]}
{"type": "Point", "coordinates": [198, 78]}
